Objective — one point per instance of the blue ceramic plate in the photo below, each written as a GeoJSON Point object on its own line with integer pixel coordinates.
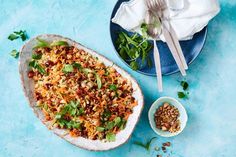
{"type": "Point", "coordinates": [191, 48]}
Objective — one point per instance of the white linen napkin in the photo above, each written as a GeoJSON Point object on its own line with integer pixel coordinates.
{"type": "Point", "coordinates": [191, 19]}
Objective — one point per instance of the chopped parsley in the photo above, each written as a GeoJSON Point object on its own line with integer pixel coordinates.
{"type": "Point", "coordinates": [184, 84]}
{"type": "Point", "coordinates": [110, 137]}
{"type": "Point", "coordinates": [36, 56]}
{"type": "Point", "coordinates": [100, 129]}
{"type": "Point", "coordinates": [77, 65]}
{"type": "Point", "coordinates": [67, 68]}
{"type": "Point", "coordinates": [117, 122]}
{"type": "Point", "coordinates": [99, 81]}
{"type": "Point", "coordinates": [34, 64]}
{"type": "Point", "coordinates": [14, 53]}
{"type": "Point", "coordinates": [113, 87]}
{"type": "Point", "coordinates": [20, 34]}
{"type": "Point", "coordinates": [73, 109]}
{"type": "Point", "coordinates": [183, 94]}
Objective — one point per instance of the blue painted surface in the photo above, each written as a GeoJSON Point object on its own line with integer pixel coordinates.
{"type": "Point", "coordinates": [191, 49]}
{"type": "Point", "coordinates": [211, 128]}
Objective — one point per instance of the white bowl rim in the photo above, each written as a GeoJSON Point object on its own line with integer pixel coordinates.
{"type": "Point", "coordinates": [180, 105]}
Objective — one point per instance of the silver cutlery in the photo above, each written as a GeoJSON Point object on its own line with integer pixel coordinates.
{"type": "Point", "coordinates": [159, 7]}
{"type": "Point", "coordinates": [153, 31]}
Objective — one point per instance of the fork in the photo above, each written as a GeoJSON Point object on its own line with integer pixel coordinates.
{"type": "Point", "coordinates": [153, 32]}
{"type": "Point", "coordinates": [159, 7]}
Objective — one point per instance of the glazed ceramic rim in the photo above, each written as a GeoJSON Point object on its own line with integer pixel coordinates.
{"type": "Point", "coordinates": [150, 116]}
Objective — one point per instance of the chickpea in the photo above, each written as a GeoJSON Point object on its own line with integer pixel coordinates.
{"type": "Point", "coordinates": [119, 92]}
{"type": "Point", "coordinates": [83, 84]}
{"type": "Point", "coordinates": [69, 56]}
{"type": "Point", "coordinates": [104, 97]}
{"type": "Point", "coordinates": [90, 75]}
{"type": "Point", "coordinates": [113, 94]}
{"type": "Point", "coordinates": [90, 85]}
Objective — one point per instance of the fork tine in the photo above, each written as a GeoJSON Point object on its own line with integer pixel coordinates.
{"type": "Point", "coordinates": [148, 4]}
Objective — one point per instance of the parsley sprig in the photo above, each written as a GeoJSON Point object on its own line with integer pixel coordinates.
{"type": "Point", "coordinates": [110, 137]}
{"type": "Point", "coordinates": [15, 35]}
{"type": "Point", "coordinates": [18, 34]}
{"type": "Point", "coordinates": [118, 121]}
{"type": "Point", "coordinates": [73, 108]}
{"type": "Point", "coordinates": [34, 63]}
{"type": "Point", "coordinates": [14, 53]}
{"type": "Point", "coordinates": [184, 94]}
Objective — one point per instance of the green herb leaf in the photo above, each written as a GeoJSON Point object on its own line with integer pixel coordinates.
{"type": "Point", "coordinates": [184, 84]}
{"type": "Point", "coordinates": [13, 37]}
{"type": "Point", "coordinates": [36, 56]}
{"type": "Point", "coordinates": [41, 69]}
{"type": "Point", "coordinates": [146, 145]}
{"type": "Point", "coordinates": [140, 144]}
{"type": "Point", "coordinates": [110, 137]}
{"type": "Point", "coordinates": [134, 65]}
{"type": "Point", "coordinates": [117, 121]}
{"type": "Point", "coordinates": [58, 116]}
{"type": "Point", "coordinates": [181, 95]}
{"type": "Point", "coordinates": [106, 115]}
{"type": "Point", "coordinates": [121, 125]}
{"type": "Point", "coordinates": [68, 68]}
{"type": "Point", "coordinates": [86, 70]}
{"type": "Point", "coordinates": [73, 124]}
{"type": "Point", "coordinates": [113, 87]}
{"type": "Point", "coordinates": [131, 47]}
{"type": "Point", "coordinates": [81, 111]}
{"type": "Point", "coordinates": [144, 29]}
{"type": "Point", "coordinates": [14, 53]}
{"type": "Point", "coordinates": [34, 64]}
{"type": "Point", "coordinates": [100, 129]}
{"type": "Point", "coordinates": [110, 125]}
{"type": "Point", "coordinates": [41, 43]}
{"type": "Point", "coordinates": [149, 143]}
{"type": "Point", "coordinates": [74, 104]}
{"type": "Point", "coordinates": [21, 34]}
{"type": "Point", "coordinates": [77, 65]}
{"type": "Point", "coordinates": [59, 43]}
{"type": "Point", "coordinates": [99, 81]}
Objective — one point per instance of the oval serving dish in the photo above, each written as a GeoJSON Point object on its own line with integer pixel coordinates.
{"type": "Point", "coordinates": [95, 145]}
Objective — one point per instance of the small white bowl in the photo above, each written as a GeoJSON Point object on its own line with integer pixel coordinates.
{"type": "Point", "coordinates": [183, 115]}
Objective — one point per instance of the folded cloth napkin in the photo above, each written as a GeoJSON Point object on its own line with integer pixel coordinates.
{"type": "Point", "coordinates": [186, 22]}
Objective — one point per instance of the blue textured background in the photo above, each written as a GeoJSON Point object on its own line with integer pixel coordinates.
{"type": "Point", "coordinates": [211, 129]}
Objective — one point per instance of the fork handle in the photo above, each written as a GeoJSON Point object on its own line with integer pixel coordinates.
{"type": "Point", "coordinates": [178, 47]}
{"type": "Point", "coordinates": [157, 66]}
